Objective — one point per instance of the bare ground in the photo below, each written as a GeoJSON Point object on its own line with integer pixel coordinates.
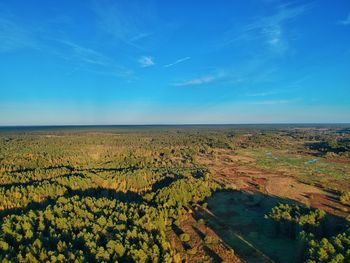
{"type": "Point", "coordinates": [196, 249]}
{"type": "Point", "coordinates": [241, 173]}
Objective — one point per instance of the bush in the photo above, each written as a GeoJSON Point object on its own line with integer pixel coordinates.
{"type": "Point", "coordinates": [185, 237]}
{"type": "Point", "coordinates": [201, 221]}
{"type": "Point", "coordinates": [177, 222]}
{"type": "Point", "coordinates": [208, 240]}
{"type": "Point", "coordinates": [3, 246]}
{"type": "Point", "coordinates": [192, 251]}
{"type": "Point", "coordinates": [345, 198]}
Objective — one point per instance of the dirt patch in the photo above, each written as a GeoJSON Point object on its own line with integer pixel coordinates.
{"type": "Point", "coordinates": [198, 249]}
{"type": "Point", "coordinates": [243, 159]}
{"type": "Point", "coordinates": [245, 176]}
{"type": "Point", "coordinates": [339, 159]}
{"type": "Point", "coordinates": [290, 188]}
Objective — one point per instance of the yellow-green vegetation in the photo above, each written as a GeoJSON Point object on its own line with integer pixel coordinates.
{"type": "Point", "coordinates": [299, 215]}
{"type": "Point", "coordinates": [185, 237]}
{"type": "Point", "coordinates": [311, 228]}
{"type": "Point", "coordinates": [114, 194]}
{"type": "Point", "coordinates": [86, 229]}
{"type": "Point", "coordinates": [345, 198]}
{"type": "Point", "coordinates": [96, 196]}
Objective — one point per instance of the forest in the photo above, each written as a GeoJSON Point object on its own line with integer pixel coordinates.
{"type": "Point", "coordinates": [145, 194]}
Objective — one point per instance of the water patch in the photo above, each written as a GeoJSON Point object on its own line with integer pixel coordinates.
{"type": "Point", "coordinates": [270, 155]}
{"type": "Point", "coordinates": [312, 161]}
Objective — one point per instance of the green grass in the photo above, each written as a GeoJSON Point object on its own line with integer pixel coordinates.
{"type": "Point", "coordinates": [322, 171]}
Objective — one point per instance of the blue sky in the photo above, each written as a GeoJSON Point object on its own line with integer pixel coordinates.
{"type": "Point", "coordinates": [164, 62]}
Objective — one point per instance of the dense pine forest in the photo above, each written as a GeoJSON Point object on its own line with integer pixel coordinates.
{"type": "Point", "coordinates": [145, 194]}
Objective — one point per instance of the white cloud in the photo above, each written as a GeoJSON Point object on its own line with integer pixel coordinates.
{"type": "Point", "coordinates": [196, 81]}
{"type": "Point", "coordinates": [177, 62]}
{"type": "Point", "coordinates": [127, 23]}
{"type": "Point", "coordinates": [270, 30]}
{"type": "Point", "coordinates": [85, 55]}
{"type": "Point", "coordinates": [86, 59]}
{"type": "Point", "coordinates": [146, 61]}
{"type": "Point", "coordinates": [275, 102]}
{"type": "Point", "coordinates": [346, 21]}
{"type": "Point", "coordinates": [261, 94]}
{"type": "Point", "coordinates": [14, 36]}
{"type": "Point", "coordinates": [273, 30]}
{"type": "Point", "coordinates": [271, 102]}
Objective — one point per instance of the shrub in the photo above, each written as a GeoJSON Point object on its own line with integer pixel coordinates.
{"type": "Point", "coordinates": [185, 237]}
{"type": "Point", "coordinates": [192, 251]}
{"type": "Point", "coordinates": [4, 246]}
{"type": "Point", "coordinates": [345, 198]}
{"type": "Point", "coordinates": [208, 240]}
{"type": "Point", "coordinates": [201, 221]}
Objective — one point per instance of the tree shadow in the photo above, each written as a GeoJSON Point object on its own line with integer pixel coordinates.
{"type": "Point", "coordinates": [165, 182]}
{"type": "Point", "coordinates": [31, 206]}
{"type": "Point", "coordinates": [98, 192]}
{"type": "Point", "coordinates": [131, 168]}
{"type": "Point", "coordinates": [238, 219]}
{"type": "Point", "coordinates": [178, 231]}
{"type": "Point", "coordinates": [215, 257]}
{"type": "Point", "coordinates": [323, 147]}
{"type": "Point", "coordinates": [34, 182]}
{"type": "Point", "coordinates": [24, 170]}
{"type": "Point", "coordinates": [198, 232]}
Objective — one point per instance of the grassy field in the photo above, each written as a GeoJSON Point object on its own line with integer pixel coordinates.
{"type": "Point", "coordinates": [307, 168]}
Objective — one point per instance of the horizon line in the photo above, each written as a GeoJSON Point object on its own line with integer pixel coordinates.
{"type": "Point", "coordinates": [171, 124]}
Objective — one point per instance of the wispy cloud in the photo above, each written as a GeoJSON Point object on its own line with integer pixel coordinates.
{"type": "Point", "coordinates": [262, 94]}
{"type": "Point", "coordinates": [13, 36]}
{"type": "Point", "coordinates": [177, 62]}
{"type": "Point", "coordinates": [274, 102]}
{"type": "Point", "coordinates": [196, 81]}
{"type": "Point", "coordinates": [127, 23]}
{"type": "Point", "coordinates": [146, 61]}
{"type": "Point", "coordinates": [346, 21]}
{"type": "Point", "coordinates": [16, 35]}
{"type": "Point", "coordinates": [86, 55]}
{"type": "Point", "coordinates": [269, 30]}
{"type": "Point", "coordinates": [84, 58]}
{"type": "Point", "coordinates": [272, 29]}
{"type": "Point", "coordinates": [271, 102]}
